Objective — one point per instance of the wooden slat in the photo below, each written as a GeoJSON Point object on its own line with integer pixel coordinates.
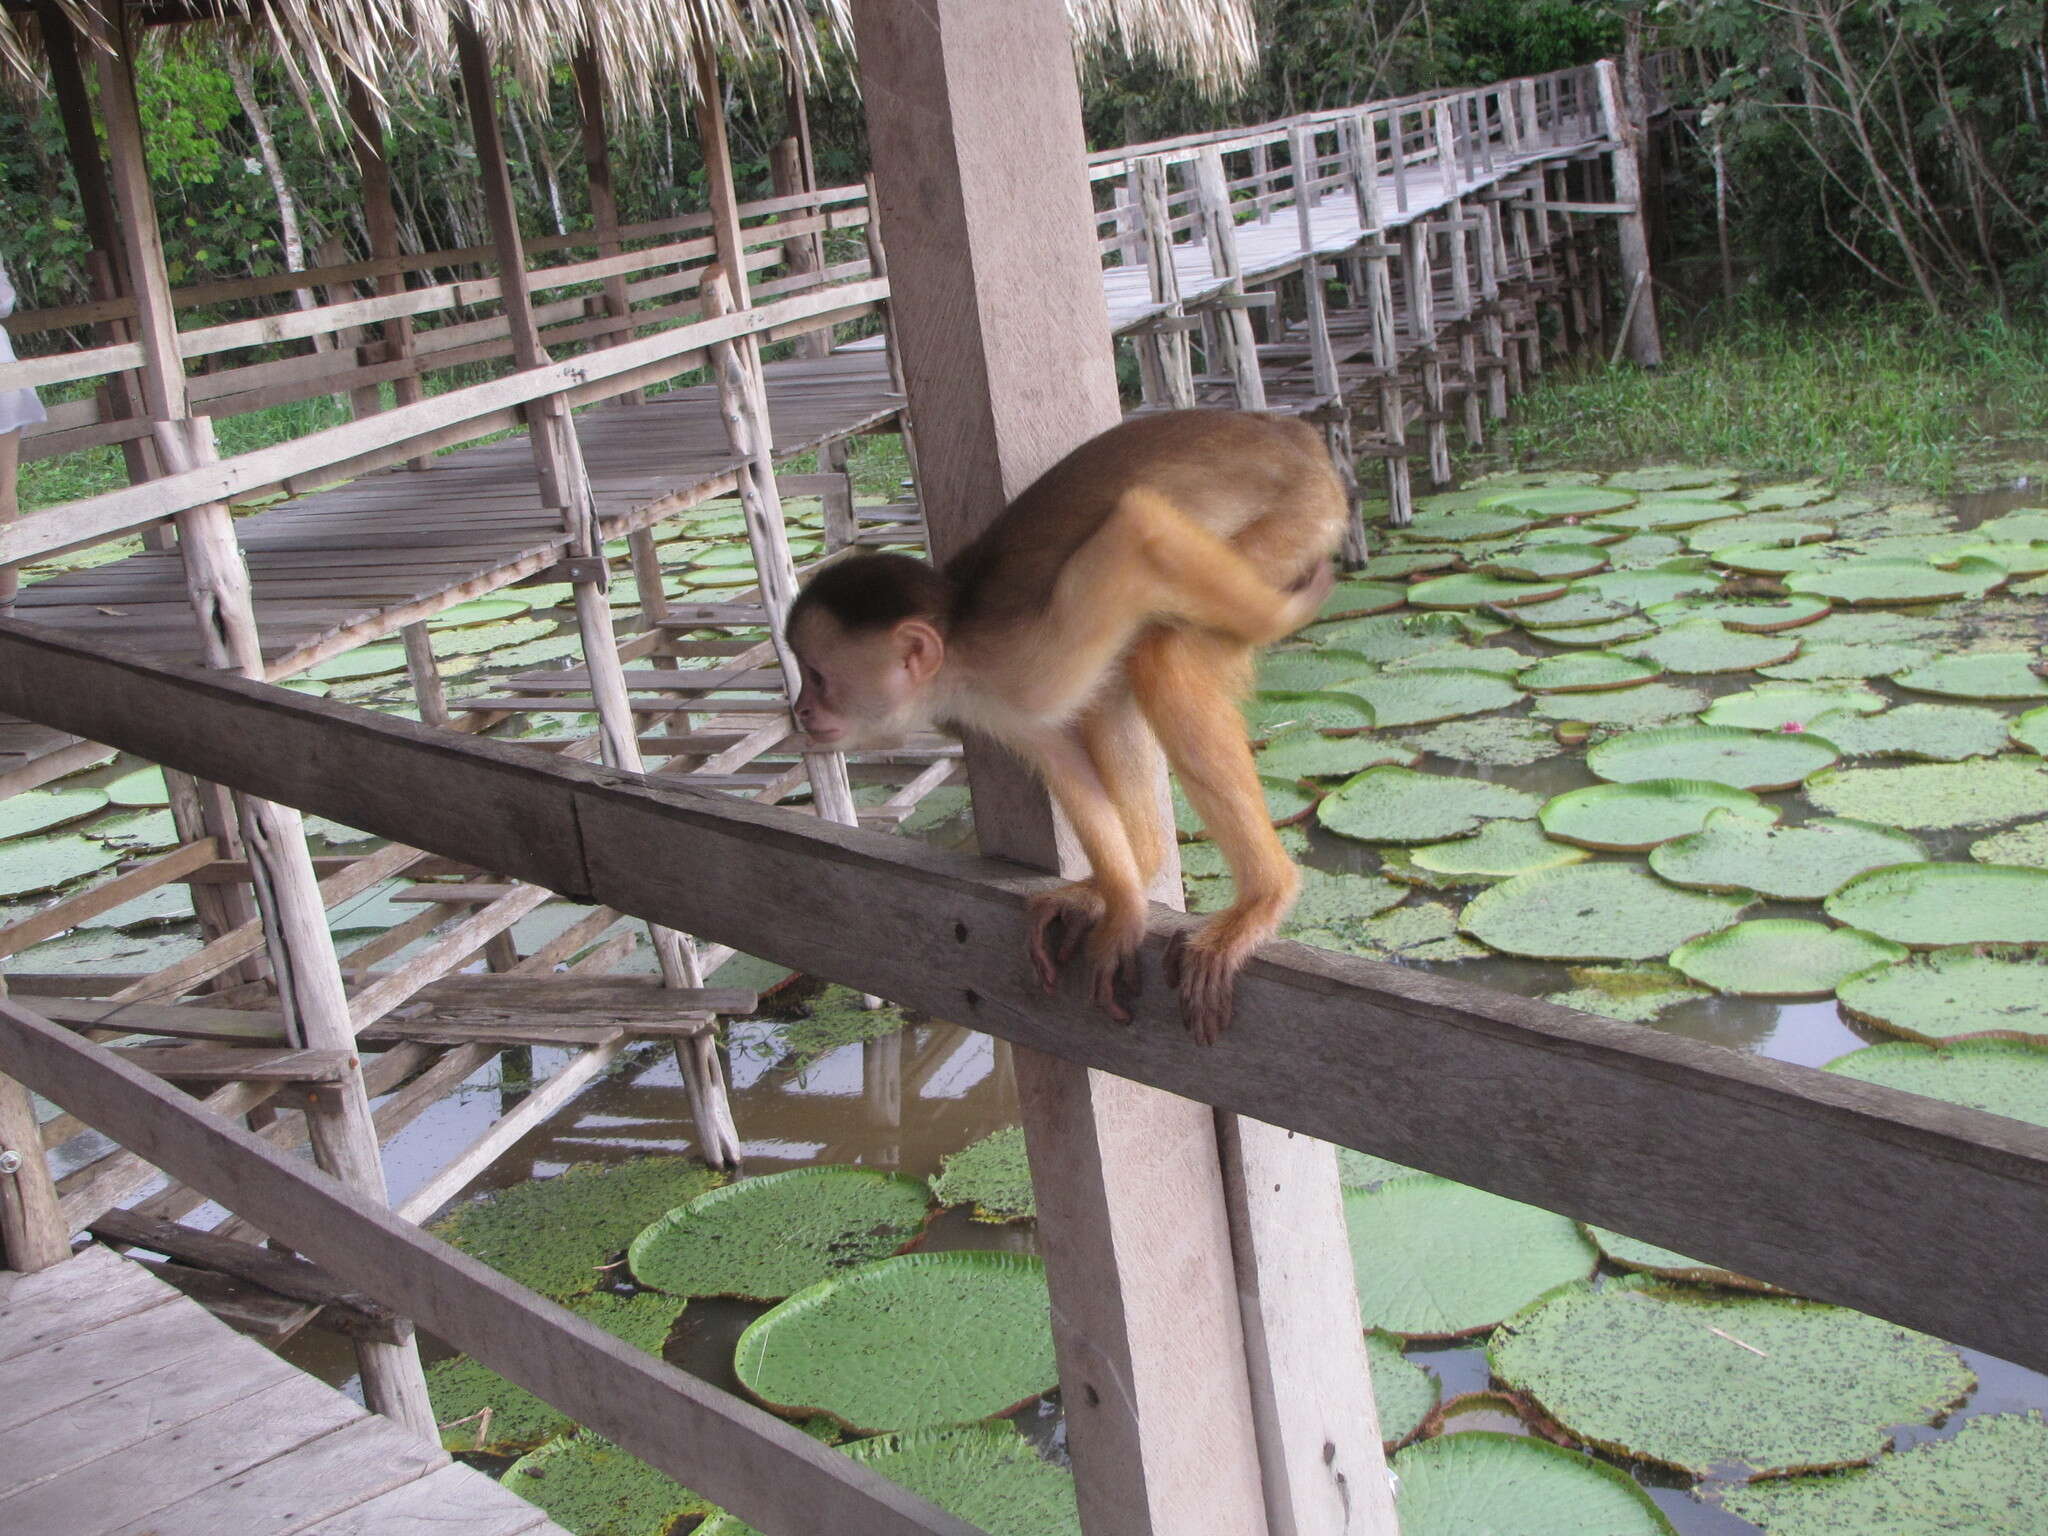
{"type": "Point", "coordinates": [455, 1501]}
{"type": "Point", "coordinates": [40, 1311]}
{"type": "Point", "coordinates": [48, 1380]}
{"type": "Point", "coordinates": [234, 1064]}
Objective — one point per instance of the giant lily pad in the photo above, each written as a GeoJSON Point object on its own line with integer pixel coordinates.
{"type": "Point", "coordinates": [1309, 670]}
{"type": "Point", "coordinates": [1308, 754]}
{"type": "Point", "coordinates": [1980, 793]}
{"type": "Point", "coordinates": [1559, 500]}
{"type": "Point", "coordinates": [1421, 696]}
{"type": "Point", "coordinates": [1391, 636]}
{"type": "Point", "coordinates": [1484, 1481]}
{"type": "Point", "coordinates": [1499, 743]}
{"type": "Point", "coordinates": [1399, 805]}
{"type": "Point", "coordinates": [1861, 583]}
{"type": "Point", "coordinates": [1268, 715]}
{"type": "Point", "coordinates": [1404, 1394]}
{"type": "Point", "coordinates": [140, 787]}
{"type": "Point", "coordinates": [1992, 1477]}
{"type": "Point", "coordinates": [1598, 636]}
{"type": "Point", "coordinates": [992, 1175]}
{"type": "Point", "coordinates": [1945, 733]}
{"type": "Point", "coordinates": [32, 864]}
{"type": "Point", "coordinates": [913, 1342]}
{"type": "Point", "coordinates": [1635, 994]}
{"type": "Point", "coordinates": [2026, 845]}
{"type": "Point", "coordinates": [1694, 1379]}
{"type": "Point", "coordinates": [1499, 660]}
{"type": "Point", "coordinates": [1757, 615]}
{"type": "Point", "coordinates": [1357, 599]}
{"type": "Point", "coordinates": [1630, 818]}
{"type": "Point", "coordinates": [1645, 589]}
{"type": "Point", "coordinates": [1802, 863]}
{"type": "Point", "coordinates": [1775, 706]}
{"type": "Point", "coordinates": [1594, 912]}
{"type": "Point", "coordinates": [1773, 531]}
{"type": "Point", "coordinates": [1755, 760]}
{"type": "Point", "coordinates": [1667, 1263]}
{"type": "Point", "coordinates": [1586, 672]}
{"type": "Point", "coordinates": [763, 1239]}
{"type": "Point", "coordinates": [1953, 993]}
{"type": "Point", "coordinates": [1675, 477]}
{"type": "Point", "coordinates": [2031, 730]}
{"type": "Point", "coordinates": [1470, 589]}
{"type": "Point", "coordinates": [1424, 934]}
{"type": "Point", "coordinates": [588, 1485]}
{"type": "Point", "coordinates": [553, 1235]}
{"type": "Point", "coordinates": [1455, 527]}
{"type": "Point", "coordinates": [1651, 704]}
{"type": "Point", "coordinates": [1546, 562]}
{"type": "Point", "coordinates": [2002, 1077]}
{"type": "Point", "coordinates": [1980, 675]}
{"type": "Point", "coordinates": [1497, 851]}
{"type": "Point", "coordinates": [1438, 1260]}
{"type": "Point", "coordinates": [1576, 609]}
{"type": "Point", "coordinates": [41, 809]}
{"type": "Point", "coordinates": [1928, 906]}
{"type": "Point", "coordinates": [1668, 513]}
{"type": "Point", "coordinates": [1782, 957]}
{"type": "Point", "coordinates": [1399, 564]}
{"type": "Point", "coordinates": [365, 661]}
{"type": "Point", "coordinates": [1702, 646]}
{"type": "Point", "coordinates": [1825, 661]}
{"type": "Point", "coordinates": [1337, 911]}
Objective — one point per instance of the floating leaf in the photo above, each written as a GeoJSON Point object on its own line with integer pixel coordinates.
{"type": "Point", "coordinates": [2001, 1077]}
{"type": "Point", "coordinates": [1982, 675]}
{"type": "Point", "coordinates": [1674, 477]}
{"type": "Point", "coordinates": [1980, 793]}
{"type": "Point", "coordinates": [1497, 743]}
{"type": "Point", "coordinates": [763, 1239]}
{"type": "Point", "coordinates": [1645, 589]}
{"type": "Point", "coordinates": [1391, 636]}
{"type": "Point", "coordinates": [2021, 559]}
{"type": "Point", "coordinates": [41, 809]}
{"type": "Point", "coordinates": [1666, 1263]}
{"type": "Point", "coordinates": [1754, 760]}
{"type": "Point", "coordinates": [835, 1018]}
{"type": "Point", "coordinates": [1668, 513]}
{"type": "Point", "coordinates": [1782, 957]}
{"type": "Point", "coordinates": [1802, 863]}
{"type": "Point", "coordinates": [1546, 562]}
{"type": "Point", "coordinates": [1597, 636]}
{"type": "Point", "coordinates": [1422, 697]}
{"type": "Point", "coordinates": [1651, 704]}
{"type": "Point", "coordinates": [1772, 531]}
{"type": "Point", "coordinates": [1404, 1395]}
{"type": "Point", "coordinates": [1308, 754]}
{"type": "Point", "coordinates": [1424, 934]}
{"type": "Point", "coordinates": [1309, 670]}
{"type": "Point", "coordinates": [32, 864]}
{"type": "Point", "coordinates": [1940, 732]}
{"type": "Point", "coordinates": [1399, 805]}
{"type": "Point", "coordinates": [1928, 906]}
{"type": "Point", "coordinates": [2031, 730]}
{"type": "Point", "coordinates": [1559, 501]}
{"type": "Point", "coordinates": [137, 831]}
{"type": "Point", "coordinates": [1953, 993]}
{"type": "Point", "coordinates": [588, 1485]}
{"type": "Point", "coordinates": [142, 787]}
{"type": "Point", "coordinates": [1576, 609]}
{"type": "Point", "coordinates": [1695, 1379]}
{"type": "Point", "coordinates": [1860, 583]}
{"type": "Point", "coordinates": [992, 1175]}
{"type": "Point", "coordinates": [2026, 845]}
{"type": "Point", "coordinates": [1587, 672]}
{"type": "Point", "coordinates": [1756, 615]}
{"type": "Point", "coordinates": [1634, 994]}
{"type": "Point", "coordinates": [1357, 599]}
{"type": "Point", "coordinates": [913, 1342]}
{"type": "Point", "coordinates": [1470, 589]}
{"type": "Point", "coordinates": [1436, 1260]}
{"type": "Point", "coordinates": [1274, 714]}
{"type": "Point", "coordinates": [1823, 661]}
{"type": "Point", "coordinates": [1496, 851]}
{"type": "Point", "coordinates": [1631, 818]}
{"type": "Point", "coordinates": [1497, 659]}
{"type": "Point", "coordinates": [1594, 912]}
{"type": "Point", "coordinates": [1641, 551]}
{"type": "Point", "coordinates": [1455, 527]}
{"type": "Point", "coordinates": [1774, 706]}
{"type": "Point", "coordinates": [1701, 646]}
{"type": "Point", "coordinates": [1400, 564]}
{"type": "Point", "coordinates": [1772, 498]}
{"type": "Point", "coordinates": [1479, 1480]}
{"type": "Point", "coordinates": [1336, 911]}
{"type": "Point", "coordinates": [364, 661]}
{"type": "Point", "coordinates": [1780, 559]}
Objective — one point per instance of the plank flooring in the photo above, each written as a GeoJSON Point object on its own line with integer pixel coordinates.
{"type": "Point", "coordinates": [127, 1410]}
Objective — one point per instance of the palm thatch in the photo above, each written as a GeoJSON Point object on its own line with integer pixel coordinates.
{"type": "Point", "coordinates": [1215, 43]}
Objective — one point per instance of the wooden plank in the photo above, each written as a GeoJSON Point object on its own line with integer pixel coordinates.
{"type": "Point", "coordinates": [241, 1064]}
{"type": "Point", "coordinates": [768, 1472]}
{"type": "Point", "coordinates": [620, 998]}
{"type": "Point", "coordinates": [81, 1294]}
{"type": "Point", "coordinates": [455, 1501]}
{"type": "Point", "coordinates": [45, 1381]}
{"type": "Point", "coordinates": [190, 1021]}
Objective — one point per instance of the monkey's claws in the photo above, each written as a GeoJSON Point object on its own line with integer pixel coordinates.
{"type": "Point", "coordinates": [1206, 980]}
{"type": "Point", "coordinates": [1073, 911]}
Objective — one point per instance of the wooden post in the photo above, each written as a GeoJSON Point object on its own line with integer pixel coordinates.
{"type": "Point", "coordinates": [1336, 419]}
{"type": "Point", "coordinates": [424, 669]}
{"type": "Point", "coordinates": [32, 1227]}
{"type": "Point", "coordinates": [1422, 322]}
{"type": "Point", "coordinates": [588, 73]}
{"type": "Point", "coordinates": [1386, 358]}
{"type": "Point", "coordinates": [792, 170]}
{"type": "Point", "coordinates": [380, 224]}
{"type": "Point", "coordinates": [975, 128]}
{"type": "Point", "coordinates": [1219, 227]}
{"type": "Point", "coordinates": [1168, 344]}
{"type": "Point", "coordinates": [1645, 344]}
{"type": "Point", "coordinates": [1468, 341]}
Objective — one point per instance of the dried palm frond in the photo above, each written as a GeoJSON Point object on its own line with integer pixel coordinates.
{"type": "Point", "coordinates": [1214, 42]}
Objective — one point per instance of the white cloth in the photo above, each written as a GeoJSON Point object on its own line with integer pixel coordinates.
{"type": "Point", "coordinates": [18, 407]}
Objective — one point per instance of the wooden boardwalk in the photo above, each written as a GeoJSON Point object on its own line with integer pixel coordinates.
{"type": "Point", "coordinates": [128, 1410]}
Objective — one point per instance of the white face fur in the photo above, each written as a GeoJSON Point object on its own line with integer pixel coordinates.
{"type": "Point", "coordinates": [864, 692]}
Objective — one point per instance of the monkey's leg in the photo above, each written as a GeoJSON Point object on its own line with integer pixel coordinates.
{"type": "Point", "coordinates": [1188, 685]}
{"type": "Point", "coordinates": [1204, 580]}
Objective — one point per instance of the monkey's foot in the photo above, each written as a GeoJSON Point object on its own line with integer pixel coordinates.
{"type": "Point", "coordinates": [1076, 913]}
{"type": "Point", "coordinates": [1205, 976]}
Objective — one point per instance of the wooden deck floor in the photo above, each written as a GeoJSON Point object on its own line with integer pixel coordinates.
{"type": "Point", "coordinates": [128, 1410]}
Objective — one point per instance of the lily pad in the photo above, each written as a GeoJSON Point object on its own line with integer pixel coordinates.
{"type": "Point", "coordinates": [1470, 589]}
{"type": "Point", "coordinates": [1754, 760]}
{"type": "Point", "coordinates": [1651, 704]}
{"type": "Point", "coordinates": [2001, 1077]}
{"type": "Point", "coordinates": [763, 1239]}
{"type": "Point", "coordinates": [1635, 994]}
{"type": "Point", "coordinates": [1701, 646]}
{"type": "Point", "coordinates": [1391, 636]}
{"type": "Point", "coordinates": [1632, 818]}
{"type": "Point", "coordinates": [1824, 661]}
{"type": "Point", "coordinates": [1938, 732]}
{"type": "Point", "coordinates": [1546, 562]}
{"type": "Point", "coordinates": [1419, 696]}
{"type": "Point", "coordinates": [914, 1342]}
{"type": "Point", "coordinates": [1598, 636]}
{"type": "Point", "coordinates": [1310, 670]}
{"type": "Point", "coordinates": [1594, 912]}
{"type": "Point", "coordinates": [1667, 513]}
{"type": "Point", "coordinates": [1672, 477]}
{"type": "Point", "coordinates": [1274, 714]}
{"type": "Point", "coordinates": [1437, 1260]}
{"type": "Point", "coordinates": [2026, 845]}
{"type": "Point", "coordinates": [1781, 532]}
{"type": "Point", "coordinates": [41, 809]}
{"type": "Point", "coordinates": [1336, 911]}
{"type": "Point", "coordinates": [992, 1175]}
{"type": "Point", "coordinates": [834, 1019]}
{"type": "Point", "coordinates": [1928, 906]}
{"type": "Point", "coordinates": [137, 831]}
{"type": "Point", "coordinates": [1423, 934]}
{"type": "Point", "coordinates": [2027, 558]}
{"type": "Point", "coordinates": [1696, 1379]}
{"type": "Point", "coordinates": [1756, 615]}
{"type": "Point", "coordinates": [1559, 500]}
{"type": "Point", "coordinates": [1646, 589]}
{"type": "Point", "coordinates": [1497, 743]}
{"type": "Point", "coordinates": [1404, 1395]}
{"type": "Point", "coordinates": [1308, 754]}
{"type": "Point", "coordinates": [1775, 706]}
{"type": "Point", "coordinates": [553, 1235]}
{"type": "Point", "coordinates": [140, 787]}
{"type": "Point", "coordinates": [1980, 793]}
{"type": "Point", "coordinates": [1991, 1477]}
{"type": "Point", "coordinates": [588, 1485]}
{"type": "Point", "coordinates": [2031, 730]}
{"type": "Point", "coordinates": [1803, 863]}
{"type": "Point", "coordinates": [1587, 672]}
{"type": "Point", "coordinates": [1782, 957]}
{"type": "Point", "coordinates": [364, 661]}
{"type": "Point", "coordinates": [1954, 993]}
{"type": "Point", "coordinates": [1576, 609]}
{"type": "Point", "coordinates": [1455, 527]}
{"type": "Point", "coordinates": [1399, 564]}
{"type": "Point", "coordinates": [32, 864]}
{"type": "Point", "coordinates": [1982, 675]}
{"type": "Point", "coordinates": [1666, 1263]}
{"type": "Point", "coordinates": [1871, 582]}
{"type": "Point", "coordinates": [1642, 551]}
{"type": "Point", "coordinates": [1780, 559]}
{"type": "Point", "coordinates": [482, 610]}
{"type": "Point", "coordinates": [1498, 850]}
{"type": "Point", "coordinates": [1479, 1480]}
{"type": "Point", "coordinates": [1399, 805]}
{"type": "Point", "coordinates": [1357, 599]}
{"type": "Point", "coordinates": [1499, 660]}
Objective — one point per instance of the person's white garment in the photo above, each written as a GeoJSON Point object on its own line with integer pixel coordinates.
{"type": "Point", "coordinates": [18, 407]}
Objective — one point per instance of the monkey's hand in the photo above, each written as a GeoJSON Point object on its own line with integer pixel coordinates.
{"type": "Point", "coordinates": [1304, 597]}
{"type": "Point", "coordinates": [1078, 913]}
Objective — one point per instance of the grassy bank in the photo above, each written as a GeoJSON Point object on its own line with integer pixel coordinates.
{"type": "Point", "coordinates": [1852, 396]}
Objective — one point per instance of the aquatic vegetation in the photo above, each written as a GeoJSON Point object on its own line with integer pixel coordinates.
{"type": "Point", "coordinates": [992, 1175]}
{"type": "Point", "coordinates": [1480, 1480]}
{"type": "Point", "coordinates": [1782, 957]}
{"type": "Point", "coordinates": [1953, 993]}
{"type": "Point", "coordinates": [1594, 912]}
{"type": "Point", "coordinates": [1807, 862]}
{"type": "Point", "coordinates": [1928, 906]}
{"type": "Point", "coordinates": [1632, 818]}
{"type": "Point", "coordinates": [1404, 1395]}
{"type": "Point", "coordinates": [589, 1486]}
{"type": "Point", "coordinates": [1399, 805]}
{"type": "Point", "coordinates": [2001, 1076]}
{"type": "Point", "coordinates": [1751, 760]}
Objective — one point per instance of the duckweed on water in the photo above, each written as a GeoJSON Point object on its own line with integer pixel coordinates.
{"type": "Point", "coordinates": [993, 1175]}
{"type": "Point", "coordinates": [588, 1485]}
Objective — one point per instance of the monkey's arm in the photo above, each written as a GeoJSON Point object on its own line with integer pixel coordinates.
{"type": "Point", "coordinates": [1201, 578]}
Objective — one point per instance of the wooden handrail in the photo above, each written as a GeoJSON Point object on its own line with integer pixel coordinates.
{"type": "Point", "coordinates": [1800, 1177]}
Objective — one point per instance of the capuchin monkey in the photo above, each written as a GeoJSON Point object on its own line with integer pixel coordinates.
{"type": "Point", "coordinates": [1116, 604]}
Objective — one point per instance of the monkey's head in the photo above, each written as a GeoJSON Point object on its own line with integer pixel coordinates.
{"type": "Point", "coordinates": [870, 634]}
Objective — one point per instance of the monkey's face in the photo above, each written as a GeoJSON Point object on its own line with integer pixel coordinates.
{"type": "Point", "coordinates": [865, 690]}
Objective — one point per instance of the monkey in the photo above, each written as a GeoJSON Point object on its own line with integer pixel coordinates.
{"type": "Point", "coordinates": [1113, 609]}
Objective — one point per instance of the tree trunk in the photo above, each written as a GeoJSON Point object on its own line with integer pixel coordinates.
{"type": "Point", "coordinates": [294, 239]}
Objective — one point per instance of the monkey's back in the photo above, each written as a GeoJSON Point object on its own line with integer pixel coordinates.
{"type": "Point", "coordinates": [1264, 482]}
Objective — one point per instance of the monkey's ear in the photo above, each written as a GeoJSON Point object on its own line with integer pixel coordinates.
{"type": "Point", "coordinates": [920, 648]}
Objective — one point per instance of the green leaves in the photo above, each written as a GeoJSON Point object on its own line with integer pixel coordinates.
{"type": "Point", "coordinates": [1481, 1481]}
{"type": "Point", "coordinates": [1594, 912]}
{"type": "Point", "coordinates": [1782, 957]}
{"type": "Point", "coordinates": [1930, 905]}
{"type": "Point", "coordinates": [1398, 805]}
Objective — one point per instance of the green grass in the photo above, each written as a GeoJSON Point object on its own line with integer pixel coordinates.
{"type": "Point", "coordinates": [1850, 396]}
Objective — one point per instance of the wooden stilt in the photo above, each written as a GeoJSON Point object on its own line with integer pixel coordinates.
{"type": "Point", "coordinates": [1219, 229]}
{"type": "Point", "coordinates": [1386, 359]}
{"type": "Point", "coordinates": [1421, 287]}
{"type": "Point", "coordinates": [424, 670]}
{"type": "Point", "coordinates": [1460, 228]}
{"type": "Point", "coordinates": [1645, 344]}
{"type": "Point", "coordinates": [380, 222]}
{"type": "Point", "coordinates": [33, 1232]}
{"type": "Point", "coordinates": [587, 71]}
{"type": "Point", "coordinates": [1168, 341]}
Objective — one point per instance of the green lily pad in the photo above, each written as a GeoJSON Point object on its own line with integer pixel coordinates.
{"type": "Point", "coordinates": [364, 661]}
{"type": "Point", "coordinates": [1404, 1395]}
{"type": "Point", "coordinates": [1803, 863]}
{"type": "Point", "coordinates": [1632, 818]}
{"type": "Point", "coordinates": [1520, 479]}
{"type": "Point", "coordinates": [1497, 851]}
{"type": "Point", "coordinates": [482, 610]}
{"type": "Point", "coordinates": [32, 864]}
{"type": "Point", "coordinates": [1701, 646]}
{"type": "Point", "coordinates": [1400, 564]}
{"type": "Point", "coordinates": [1755, 615]}
{"type": "Point", "coordinates": [987, 1474]}
{"type": "Point", "coordinates": [1498, 743]}
{"type": "Point", "coordinates": [1874, 581]}
{"type": "Point", "coordinates": [1635, 994]}
{"type": "Point", "coordinates": [834, 1019]}
{"type": "Point", "coordinates": [1546, 562]}
{"type": "Point", "coordinates": [1825, 661]}
{"type": "Point", "coordinates": [980, 1346]}
{"type": "Point", "coordinates": [1357, 599]}
{"type": "Point", "coordinates": [1983, 675]}
{"type": "Point", "coordinates": [41, 809]}
{"type": "Point", "coordinates": [1672, 477]}
{"type": "Point", "coordinates": [763, 1239]}
{"type": "Point", "coordinates": [1999, 1076]}
{"type": "Point", "coordinates": [1496, 659]}
{"type": "Point", "coordinates": [1669, 513]}
{"type": "Point", "coordinates": [1308, 754]}
{"type": "Point", "coordinates": [1455, 527]}
{"type": "Point", "coordinates": [141, 787]}
{"type": "Point", "coordinates": [1643, 551]}
{"type": "Point", "coordinates": [1399, 805]}
{"type": "Point", "coordinates": [461, 1388]}
{"type": "Point", "coordinates": [1576, 609]}
{"type": "Point", "coordinates": [2022, 524]}
{"type": "Point", "coordinates": [1423, 934]}
{"type": "Point", "coordinates": [2027, 558]}
{"type": "Point", "coordinates": [1928, 906]}
{"type": "Point", "coordinates": [1872, 626]}
{"type": "Point", "coordinates": [992, 1175]}
{"type": "Point", "coordinates": [1335, 911]}
{"type": "Point", "coordinates": [1780, 559]}
{"type": "Point", "coordinates": [1938, 732]}
{"type": "Point", "coordinates": [1598, 636]}
{"type": "Point", "coordinates": [1559, 500]}
{"type": "Point", "coordinates": [2026, 845]}
{"type": "Point", "coordinates": [1782, 957]}
{"type": "Point", "coordinates": [1952, 994]}
{"type": "Point", "coordinates": [1645, 589]}
{"type": "Point", "coordinates": [1980, 793]}
{"type": "Point", "coordinates": [1389, 637]}
{"type": "Point", "coordinates": [1594, 912]}
{"type": "Point", "coordinates": [1666, 1263]}
{"type": "Point", "coordinates": [588, 1485]}
{"type": "Point", "coordinates": [2031, 730]}
{"type": "Point", "coordinates": [1696, 1379]}
{"type": "Point", "coordinates": [1587, 672]}
{"type": "Point", "coordinates": [137, 831]}
{"type": "Point", "coordinates": [1309, 671]}
{"type": "Point", "coordinates": [1470, 589]}
{"type": "Point", "coordinates": [1754, 760]}
{"type": "Point", "coordinates": [1992, 1477]}
{"type": "Point", "coordinates": [1274, 714]}
{"type": "Point", "coordinates": [1776, 531]}
{"type": "Point", "coordinates": [1440, 1260]}
{"type": "Point", "coordinates": [1479, 1480]}
{"type": "Point", "coordinates": [491, 638]}
{"type": "Point", "coordinates": [553, 1235]}
{"type": "Point", "coordinates": [1774, 706]}
{"type": "Point", "coordinates": [1651, 704]}
{"type": "Point", "coordinates": [1419, 696]}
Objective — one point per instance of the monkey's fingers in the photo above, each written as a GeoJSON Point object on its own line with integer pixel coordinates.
{"type": "Point", "coordinates": [1114, 986]}
{"type": "Point", "coordinates": [1043, 920]}
{"type": "Point", "coordinates": [1208, 987]}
